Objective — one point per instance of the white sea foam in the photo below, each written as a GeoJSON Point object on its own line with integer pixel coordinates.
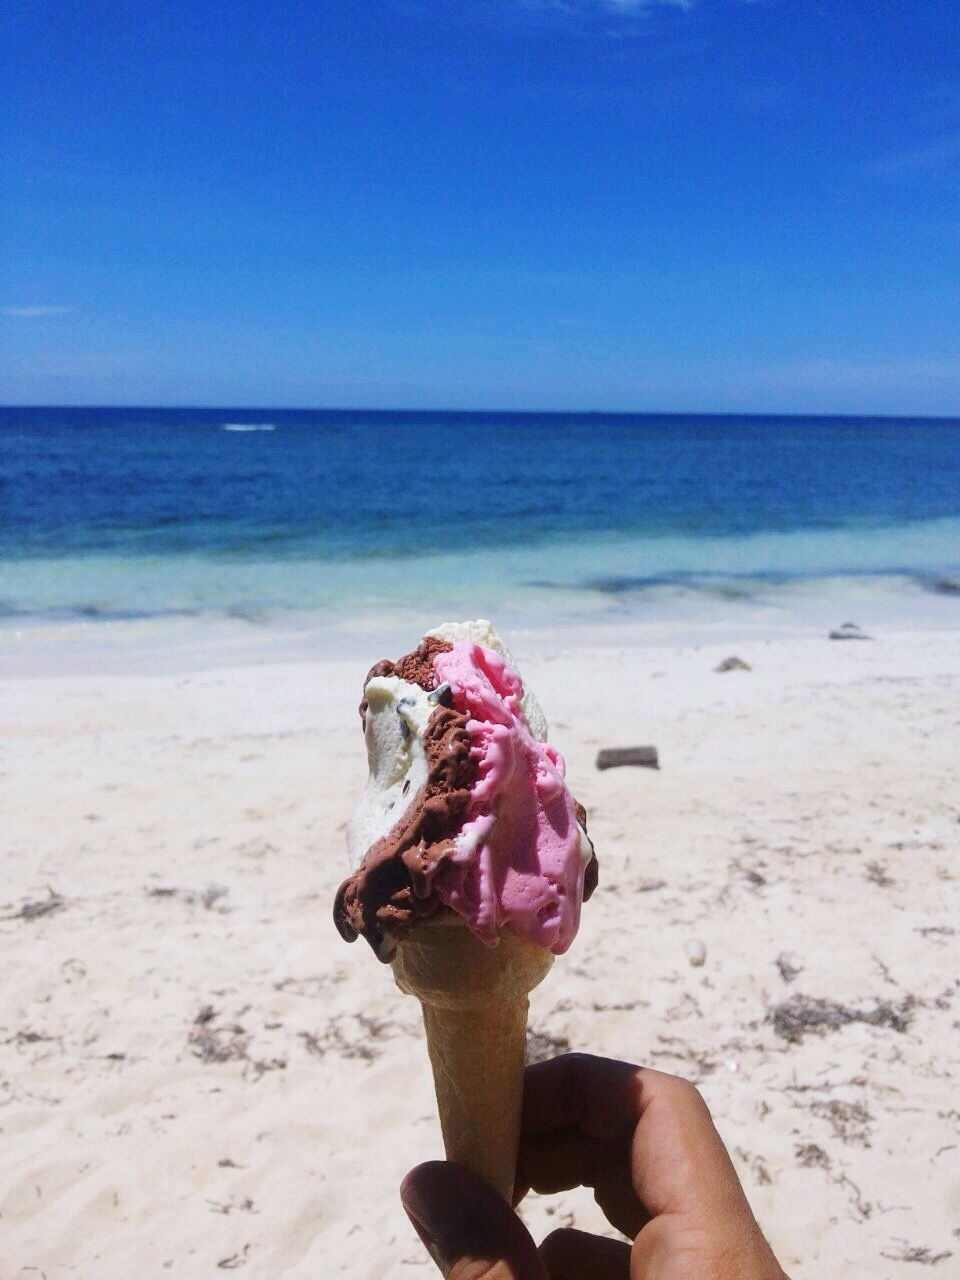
{"type": "Point", "coordinates": [248, 426]}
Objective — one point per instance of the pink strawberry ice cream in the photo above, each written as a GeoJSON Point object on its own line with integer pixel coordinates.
{"type": "Point", "coordinates": [520, 857]}
{"type": "Point", "coordinates": [466, 808]}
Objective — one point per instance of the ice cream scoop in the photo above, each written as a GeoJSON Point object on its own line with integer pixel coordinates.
{"type": "Point", "coordinates": [470, 860]}
{"type": "Point", "coordinates": [466, 807]}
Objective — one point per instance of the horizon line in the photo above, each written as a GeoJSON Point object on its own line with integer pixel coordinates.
{"type": "Point", "coordinates": [438, 410]}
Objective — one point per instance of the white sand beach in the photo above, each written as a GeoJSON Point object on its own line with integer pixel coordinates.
{"type": "Point", "coordinates": [198, 1076]}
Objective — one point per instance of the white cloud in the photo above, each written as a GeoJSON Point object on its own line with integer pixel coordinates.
{"type": "Point", "coordinates": [33, 313]}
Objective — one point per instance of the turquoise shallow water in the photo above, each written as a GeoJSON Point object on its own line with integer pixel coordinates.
{"type": "Point", "coordinates": [264, 514]}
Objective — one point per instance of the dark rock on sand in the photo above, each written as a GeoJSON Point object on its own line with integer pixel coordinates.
{"type": "Point", "coordinates": [733, 664]}
{"type": "Point", "coordinates": [613, 757]}
{"type": "Point", "coordinates": [849, 631]}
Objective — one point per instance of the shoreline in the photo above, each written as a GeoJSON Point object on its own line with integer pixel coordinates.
{"type": "Point", "coordinates": [182, 644]}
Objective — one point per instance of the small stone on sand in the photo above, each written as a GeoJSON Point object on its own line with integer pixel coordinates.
{"type": "Point", "coordinates": [732, 664]}
{"type": "Point", "coordinates": [696, 952]}
{"type": "Point", "coordinates": [849, 631]}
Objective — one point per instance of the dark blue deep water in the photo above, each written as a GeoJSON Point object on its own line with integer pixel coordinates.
{"type": "Point", "coordinates": [129, 511]}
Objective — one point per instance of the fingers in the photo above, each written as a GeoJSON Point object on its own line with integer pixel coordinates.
{"type": "Point", "coordinates": [467, 1229]}
{"type": "Point", "coordinates": [579, 1116]}
{"type": "Point", "coordinates": [575, 1255]}
{"type": "Point", "coordinates": [552, 1162]}
{"type": "Point", "coordinates": [557, 1161]}
{"type": "Point", "coordinates": [586, 1120]}
{"type": "Point", "coordinates": [596, 1096]}
{"type": "Point", "coordinates": [678, 1161]}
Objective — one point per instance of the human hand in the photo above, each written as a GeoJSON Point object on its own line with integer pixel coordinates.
{"type": "Point", "coordinates": [644, 1142]}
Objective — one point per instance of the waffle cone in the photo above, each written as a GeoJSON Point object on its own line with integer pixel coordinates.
{"type": "Point", "coordinates": [474, 1004]}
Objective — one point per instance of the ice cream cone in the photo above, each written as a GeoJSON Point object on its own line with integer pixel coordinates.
{"type": "Point", "coordinates": [474, 1003]}
{"type": "Point", "coordinates": [470, 860]}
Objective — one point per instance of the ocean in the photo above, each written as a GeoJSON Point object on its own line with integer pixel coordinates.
{"type": "Point", "coordinates": [277, 515]}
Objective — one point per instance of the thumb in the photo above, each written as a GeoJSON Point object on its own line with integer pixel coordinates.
{"type": "Point", "coordinates": [466, 1227]}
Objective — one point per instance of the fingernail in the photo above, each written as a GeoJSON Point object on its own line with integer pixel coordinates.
{"type": "Point", "coordinates": [462, 1221]}
{"type": "Point", "coordinates": [425, 1238]}
{"type": "Point", "coordinates": [449, 1210]}
{"type": "Point", "coordinates": [418, 1212]}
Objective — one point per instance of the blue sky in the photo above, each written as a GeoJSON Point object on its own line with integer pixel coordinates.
{"type": "Point", "coordinates": [695, 205]}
